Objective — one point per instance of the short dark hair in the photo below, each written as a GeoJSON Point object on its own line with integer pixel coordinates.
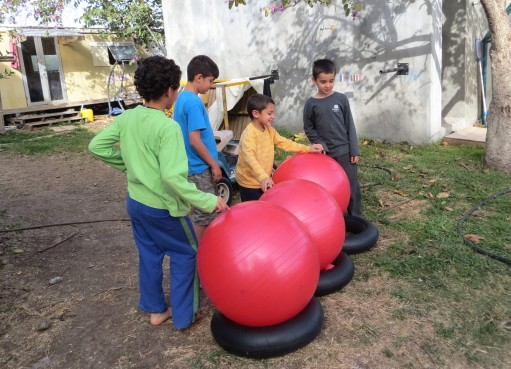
{"type": "Point", "coordinates": [323, 66]}
{"type": "Point", "coordinates": [154, 76]}
{"type": "Point", "coordinates": [258, 102]}
{"type": "Point", "coordinates": [202, 64]}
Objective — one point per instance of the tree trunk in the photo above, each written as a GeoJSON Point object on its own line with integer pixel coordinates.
{"type": "Point", "coordinates": [2, 124]}
{"type": "Point", "coordinates": [498, 137]}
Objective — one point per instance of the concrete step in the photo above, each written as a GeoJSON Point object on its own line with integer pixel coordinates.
{"type": "Point", "coordinates": [472, 136]}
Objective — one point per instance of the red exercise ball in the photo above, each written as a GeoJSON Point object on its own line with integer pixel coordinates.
{"type": "Point", "coordinates": [257, 264]}
{"type": "Point", "coordinates": [318, 211]}
{"type": "Point", "coordinates": [320, 169]}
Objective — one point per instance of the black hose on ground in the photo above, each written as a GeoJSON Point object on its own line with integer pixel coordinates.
{"type": "Point", "coordinates": [64, 224]}
{"type": "Point", "coordinates": [470, 243]}
{"type": "Point", "coordinates": [127, 219]}
{"type": "Point", "coordinates": [459, 226]}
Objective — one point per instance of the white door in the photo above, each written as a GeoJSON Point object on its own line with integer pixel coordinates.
{"type": "Point", "coordinates": [42, 71]}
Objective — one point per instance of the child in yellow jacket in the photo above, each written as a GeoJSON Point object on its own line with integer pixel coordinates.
{"type": "Point", "coordinates": [257, 148]}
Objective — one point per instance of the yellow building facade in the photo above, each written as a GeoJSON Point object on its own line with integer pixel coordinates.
{"type": "Point", "coordinates": [52, 68]}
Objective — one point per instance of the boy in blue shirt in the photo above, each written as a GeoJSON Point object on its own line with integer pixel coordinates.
{"type": "Point", "coordinates": [327, 120]}
{"type": "Point", "coordinates": [191, 114]}
{"type": "Point", "coordinates": [152, 155]}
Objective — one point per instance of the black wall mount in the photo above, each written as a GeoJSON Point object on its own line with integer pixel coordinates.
{"type": "Point", "coordinates": [274, 76]}
{"type": "Point", "coordinates": [401, 69]}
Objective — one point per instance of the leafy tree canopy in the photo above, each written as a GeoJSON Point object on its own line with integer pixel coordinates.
{"type": "Point", "coordinates": [351, 7]}
{"type": "Point", "coordinates": [132, 18]}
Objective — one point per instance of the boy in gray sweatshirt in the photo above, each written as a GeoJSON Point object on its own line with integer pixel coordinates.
{"type": "Point", "coordinates": [327, 120]}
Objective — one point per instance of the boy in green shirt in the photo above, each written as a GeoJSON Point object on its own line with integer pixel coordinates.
{"type": "Point", "coordinates": [152, 154]}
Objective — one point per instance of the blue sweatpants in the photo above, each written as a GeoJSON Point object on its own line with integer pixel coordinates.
{"type": "Point", "coordinates": [157, 234]}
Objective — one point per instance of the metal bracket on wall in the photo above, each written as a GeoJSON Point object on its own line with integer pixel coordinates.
{"type": "Point", "coordinates": [274, 74]}
{"type": "Point", "coordinates": [401, 69]}
{"type": "Point", "coordinates": [272, 77]}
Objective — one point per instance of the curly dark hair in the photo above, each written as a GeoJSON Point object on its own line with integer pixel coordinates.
{"type": "Point", "coordinates": [154, 75]}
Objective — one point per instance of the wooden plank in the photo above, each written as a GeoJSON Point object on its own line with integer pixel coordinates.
{"type": "Point", "coordinates": [2, 124]}
{"type": "Point", "coordinates": [37, 108]}
{"type": "Point", "coordinates": [31, 125]}
{"type": "Point", "coordinates": [22, 118]}
{"type": "Point", "coordinates": [238, 124]}
{"type": "Point", "coordinates": [226, 112]}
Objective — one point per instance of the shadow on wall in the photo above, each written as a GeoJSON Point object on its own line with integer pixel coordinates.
{"type": "Point", "coordinates": [454, 68]}
{"type": "Point", "coordinates": [376, 45]}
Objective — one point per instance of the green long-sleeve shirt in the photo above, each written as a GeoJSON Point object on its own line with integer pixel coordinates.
{"type": "Point", "coordinates": [152, 154]}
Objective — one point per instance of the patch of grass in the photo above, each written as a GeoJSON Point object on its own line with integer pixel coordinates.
{"type": "Point", "coordinates": [281, 155]}
{"type": "Point", "coordinates": [7, 308]}
{"type": "Point", "coordinates": [45, 141]}
{"type": "Point", "coordinates": [215, 358]}
{"type": "Point", "coordinates": [438, 274]}
{"type": "Point", "coordinates": [9, 240]}
{"type": "Point", "coordinates": [422, 192]}
{"type": "Point", "coordinates": [415, 196]}
{"type": "Point", "coordinates": [444, 330]}
{"type": "Point", "coordinates": [387, 352]}
{"type": "Point", "coordinates": [285, 132]}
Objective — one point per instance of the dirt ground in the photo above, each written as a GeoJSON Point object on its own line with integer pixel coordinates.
{"type": "Point", "coordinates": [90, 319]}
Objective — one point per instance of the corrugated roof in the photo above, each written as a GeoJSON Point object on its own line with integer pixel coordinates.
{"type": "Point", "coordinates": [52, 31]}
{"type": "Point", "coordinates": [47, 32]}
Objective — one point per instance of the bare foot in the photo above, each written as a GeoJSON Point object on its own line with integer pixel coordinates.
{"type": "Point", "coordinates": [159, 318]}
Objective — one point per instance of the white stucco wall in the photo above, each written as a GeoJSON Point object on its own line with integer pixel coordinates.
{"type": "Point", "coordinates": [464, 21]}
{"type": "Point", "coordinates": [385, 106]}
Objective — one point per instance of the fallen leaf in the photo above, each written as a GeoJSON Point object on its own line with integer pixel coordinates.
{"type": "Point", "coordinates": [380, 201]}
{"type": "Point", "coordinates": [428, 195]}
{"type": "Point", "coordinates": [475, 238]}
{"type": "Point", "coordinates": [443, 195]}
{"type": "Point", "coordinates": [365, 143]}
{"type": "Point", "coordinates": [433, 180]}
{"type": "Point", "coordinates": [465, 166]}
{"type": "Point", "coordinates": [400, 193]}
{"type": "Point", "coordinates": [448, 208]}
{"type": "Point", "coordinates": [408, 167]}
